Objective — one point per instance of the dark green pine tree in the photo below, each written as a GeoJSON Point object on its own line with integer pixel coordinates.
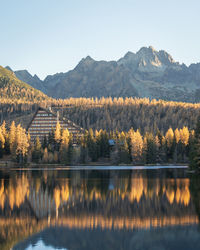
{"type": "Point", "coordinates": [195, 147]}
{"type": "Point", "coordinates": [37, 153]}
{"type": "Point", "coordinates": [151, 149]}
{"type": "Point", "coordinates": [51, 140]}
{"type": "Point", "coordinates": [67, 154]}
{"type": "Point", "coordinates": [123, 151]}
{"type": "Point", "coordinates": [104, 144]}
{"type": "Point", "coordinates": [7, 147]}
{"type": "Point", "coordinates": [91, 145]}
{"type": "Point", "coordinates": [1, 150]}
{"type": "Point", "coordinates": [45, 142]}
{"type": "Point", "coordinates": [84, 149]}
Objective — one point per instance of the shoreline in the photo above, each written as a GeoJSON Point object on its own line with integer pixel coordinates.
{"type": "Point", "coordinates": [94, 166]}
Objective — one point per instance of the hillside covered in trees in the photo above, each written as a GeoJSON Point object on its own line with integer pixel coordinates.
{"type": "Point", "coordinates": [179, 146]}
{"type": "Point", "coordinates": [124, 114]}
{"type": "Point", "coordinates": [12, 89]}
{"type": "Point", "coordinates": [18, 100]}
{"type": "Point", "coordinates": [110, 114]}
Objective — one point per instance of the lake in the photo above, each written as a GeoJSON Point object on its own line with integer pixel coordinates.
{"type": "Point", "coordinates": [95, 208]}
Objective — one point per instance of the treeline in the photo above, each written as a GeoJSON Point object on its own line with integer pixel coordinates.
{"type": "Point", "coordinates": [133, 148]}
{"type": "Point", "coordinates": [110, 114]}
{"type": "Point", "coordinates": [98, 146]}
{"type": "Point", "coordinates": [123, 114]}
{"type": "Point", "coordinates": [195, 147]}
{"type": "Point", "coordinates": [14, 142]}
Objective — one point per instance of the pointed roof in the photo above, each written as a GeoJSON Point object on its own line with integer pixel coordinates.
{"type": "Point", "coordinates": [65, 120]}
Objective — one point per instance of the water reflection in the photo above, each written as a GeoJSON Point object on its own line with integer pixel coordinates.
{"type": "Point", "coordinates": [41, 246]}
{"type": "Point", "coordinates": [110, 201]}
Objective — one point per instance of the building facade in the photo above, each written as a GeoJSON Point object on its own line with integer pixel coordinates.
{"type": "Point", "coordinates": [44, 120]}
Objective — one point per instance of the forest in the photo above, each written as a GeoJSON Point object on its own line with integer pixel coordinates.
{"type": "Point", "coordinates": [117, 130]}
{"type": "Point", "coordinates": [102, 147]}
{"type": "Point", "coordinates": [109, 114]}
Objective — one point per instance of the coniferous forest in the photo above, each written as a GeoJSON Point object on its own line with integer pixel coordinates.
{"type": "Point", "coordinates": [117, 131]}
{"type": "Point", "coordinates": [114, 147]}
{"type": "Point", "coordinates": [107, 113]}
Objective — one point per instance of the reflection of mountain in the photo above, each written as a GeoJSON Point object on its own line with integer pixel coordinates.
{"type": "Point", "coordinates": [76, 239]}
{"type": "Point", "coordinates": [90, 200]}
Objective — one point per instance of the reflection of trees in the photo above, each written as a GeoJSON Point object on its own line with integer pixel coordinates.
{"type": "Point", "coordinates": [77, 189]}
{"type": "Point", "coordinates": [91, 199]}
{"type": "Point", "coordinates": [12, 230]}
{"type": "Point", "coordinates": [138, 188]}
{"type": "Point", "coordinates": [2, 194]}
{"type": "Point", "coordinates": [178, 191]}
{"type": "Point", "coordinates": [195, 192]}
{"type": "Point", "coordinates": [15, 193]}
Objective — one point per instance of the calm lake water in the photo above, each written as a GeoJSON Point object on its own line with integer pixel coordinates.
{"type": "Point", "coordinates": [153, 209]}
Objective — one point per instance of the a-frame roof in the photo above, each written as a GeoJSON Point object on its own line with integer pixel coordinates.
{"type": "Point", "coordinates": [65, 120]}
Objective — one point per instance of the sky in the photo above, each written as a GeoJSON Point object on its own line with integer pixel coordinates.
{"type": "Point", "coordinates": [50, 36]}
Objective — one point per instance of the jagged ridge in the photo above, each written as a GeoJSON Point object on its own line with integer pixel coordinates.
{"type": "Point", "coordinates": [147, 73]}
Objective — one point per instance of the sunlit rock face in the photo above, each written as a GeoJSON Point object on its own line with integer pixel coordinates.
{"type": "Point", "coordinates": [148, 60]}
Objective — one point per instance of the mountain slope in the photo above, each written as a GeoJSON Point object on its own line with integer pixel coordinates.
{"type": "Point", "coordinates": [147, 73]}
{"type": "Point", "coordinates": [13, 88]}
{"type": "Point", "coordinates": [91, 79]}
{"type": "Point", "coordinates": [159, 76]}
{"type": "Point", "coordinates": [34, 81]}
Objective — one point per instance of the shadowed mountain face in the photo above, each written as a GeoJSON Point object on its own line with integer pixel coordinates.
{"type": "Point", "coordinates": [34, 81]}
{"type": "Point", "coordinates": [92, 79]}
{"type": "Point", "coordinates": [147, 73]}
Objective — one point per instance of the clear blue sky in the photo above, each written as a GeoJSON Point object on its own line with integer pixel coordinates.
{"type": "Point", "coordinates": [49, 36]}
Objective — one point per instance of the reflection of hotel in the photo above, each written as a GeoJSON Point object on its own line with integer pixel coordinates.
{"type": "Point", "coordinates": [131, 205]}
{"type": "Point", "coordinates": [45, 120]}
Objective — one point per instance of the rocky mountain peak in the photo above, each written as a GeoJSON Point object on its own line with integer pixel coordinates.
{"type": "Point", "coordinates": [25, 76]}
{"type": "Point", "coordinates": [148, 54]}
{"type": "Point", "coordinates": [129, 54]}
{"type": "Point", "coordinates": [85, 63]}
{"type": "Point", "coordinates": [152, 48]}
{"type": "Point", "coordinates": [36, 77]}
{"type": "Point", "coordinates": [9, 68]}
{"type": "Point", "coordinates": [87, 60]}
{"type": "Point", "coordinates": [147, 59]}
{"type": "Point", "coordinates": [146, 51]}
{"type": "Point", "coordinates": [23, 72]}
{"type": "Point", "coordinates": [166, 58]}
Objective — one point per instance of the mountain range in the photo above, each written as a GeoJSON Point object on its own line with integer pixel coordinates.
{"type": "Point", "coordinates": [147, 73]}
